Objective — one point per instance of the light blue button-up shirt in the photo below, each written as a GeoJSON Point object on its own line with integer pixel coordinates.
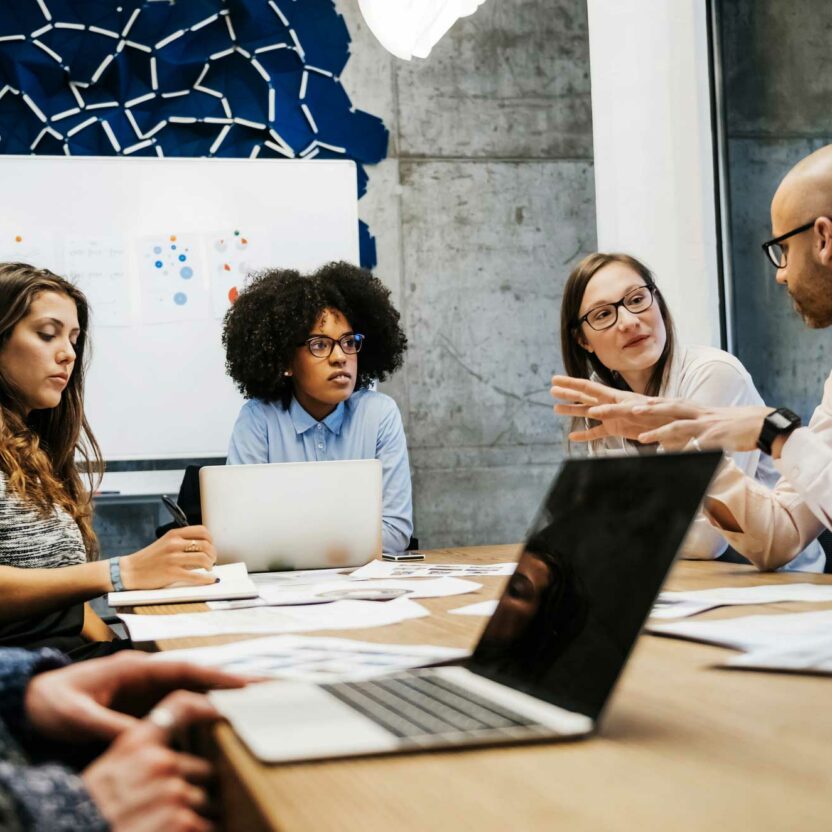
{"type": "Point", "coordinates": [367, 425]}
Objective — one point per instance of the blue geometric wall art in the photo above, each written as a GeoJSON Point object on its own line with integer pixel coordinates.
{"type": "Point", "coordinates": [241, 78]}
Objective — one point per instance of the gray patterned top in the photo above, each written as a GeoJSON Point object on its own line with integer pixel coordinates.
{"type": "Point", "coordinates": [31, 541]}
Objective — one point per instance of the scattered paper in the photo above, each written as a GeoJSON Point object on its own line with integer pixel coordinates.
{"type": "Point", "coordinates": [314, 659]}
{"type": "Point", "coordinates": [234, 582]}
{"type": "Point", "coordinates": [341, 615]}
{"type": "Point", "coordinates": [385, 569]}
{"type": "Point", "coordinates": [171, 280]}
{"type": "Point", "coordinates": [301, 577]}
{"type": "Point", "coordinates": [37, 246]}
{"type": "Point", "coordinates": [811, 657]}
{"type": "Point", "coordinates": [328, 592]}
{"type": "Point", "coordinates": [678, 608]}
{"type": "Point", "coordinates": [98, 266]}
{"type": "Point", "coordinates": [487, 608]}
{"type": "Point", "coordinates": [752, 632]}
{"type": "Point", "coordinates": [682, 604]}
{"type": "Point", "coordinates": [232, 256]}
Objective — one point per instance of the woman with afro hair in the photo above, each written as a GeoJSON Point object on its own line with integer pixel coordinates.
{"type": "Point", "coordinates": [304, 350]}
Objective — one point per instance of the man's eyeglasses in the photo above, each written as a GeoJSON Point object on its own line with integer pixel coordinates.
{"type": "Point", "coordinates": [774, 251]}
{"type": "Point", "coordinates": [603, 317]}
{"type": "Point", "coordinates": [321, 346]}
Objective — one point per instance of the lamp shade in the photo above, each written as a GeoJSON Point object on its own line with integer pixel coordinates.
{"type": "Point", "coordinates": [409, 28]}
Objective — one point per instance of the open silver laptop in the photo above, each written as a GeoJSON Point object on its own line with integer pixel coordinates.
{"type": "Point", "coordinates": [550, 655]}
{"type": "Point", "coordinates": [294, 515]}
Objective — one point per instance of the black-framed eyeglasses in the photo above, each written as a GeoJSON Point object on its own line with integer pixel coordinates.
{"type": "Point", "coordinates": [775, 252]}
{"type": "Point", "coordinates": [321, 346]}
{"type": "Point", "coordinates": [603, 317]}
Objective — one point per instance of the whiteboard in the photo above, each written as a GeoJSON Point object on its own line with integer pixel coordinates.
{"type": "Point", "coordinates": [159, 246]}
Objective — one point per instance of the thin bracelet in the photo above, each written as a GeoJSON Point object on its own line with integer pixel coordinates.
{"type": "Point", "coordinates": [115, 575]}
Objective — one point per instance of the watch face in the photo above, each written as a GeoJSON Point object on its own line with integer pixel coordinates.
{"type": "Point", "coordinates": [779, 420]}
{"type": "Point", "coordinates": [782, 419]}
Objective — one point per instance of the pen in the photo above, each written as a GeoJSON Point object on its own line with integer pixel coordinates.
{"type": "Point", "coordinates": [178, 515]}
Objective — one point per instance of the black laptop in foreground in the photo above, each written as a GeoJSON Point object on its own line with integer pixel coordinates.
{"type": "Point", "coordinates": [550, 655]}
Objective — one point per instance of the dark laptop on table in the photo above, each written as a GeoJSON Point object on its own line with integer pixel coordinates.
{"type": "Point", "coordinates": [549, 656]}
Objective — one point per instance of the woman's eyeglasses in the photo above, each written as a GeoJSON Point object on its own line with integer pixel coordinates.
{"type": "Point", "coordinates": [603, 317]}
{"type": "Point", "coordinates": [321, 346]}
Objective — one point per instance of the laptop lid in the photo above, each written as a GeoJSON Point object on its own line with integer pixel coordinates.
{"type": "Point", "coordinates": [294, 515]}
{"type": "Point", "coordinates": [589, 574]}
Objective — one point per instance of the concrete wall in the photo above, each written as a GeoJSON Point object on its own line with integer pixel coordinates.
{"type": "Point", "coordinates": [485, 202]}
{"type": "Point", "coordinates": [481, 209]}
{"type": "Point", "coordinates": [778, 92]}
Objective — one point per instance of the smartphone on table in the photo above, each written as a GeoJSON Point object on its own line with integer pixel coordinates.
{"type": "Point", "coordinates": [398, 557]}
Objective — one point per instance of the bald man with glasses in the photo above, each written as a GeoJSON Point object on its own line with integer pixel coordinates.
{"type": "Point", "coordinates": [769, 527]}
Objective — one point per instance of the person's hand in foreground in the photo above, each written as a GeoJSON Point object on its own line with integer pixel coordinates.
{"type": "Point", "coordinates": [100, 698]}
{"type": "Point", "coordinates": [584, 398]}
{"type": "Point", "coordinates": [726, 428]}
{"type": "Point", "coordinates": [141, 785]}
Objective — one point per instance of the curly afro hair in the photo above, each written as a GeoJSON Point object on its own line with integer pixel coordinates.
{"type": "Point", "coordinates": [278, 309]}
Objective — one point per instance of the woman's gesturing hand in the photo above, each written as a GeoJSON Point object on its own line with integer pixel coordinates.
{"type": "Point", "coordinates": [171, 559]}
{"type": "Point", "coordinates": [587, 398]}
{"type": "Point", "coordinates": [672, 423]}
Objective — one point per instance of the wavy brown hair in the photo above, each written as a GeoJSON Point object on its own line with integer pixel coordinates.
{"type": "Point", "coordinates": [38, 450]}
{"type": "Point", "coordinates": [581, 363]}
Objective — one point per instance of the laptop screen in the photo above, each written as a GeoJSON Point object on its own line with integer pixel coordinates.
{"type": "Point", "coordinates": [589, 573]}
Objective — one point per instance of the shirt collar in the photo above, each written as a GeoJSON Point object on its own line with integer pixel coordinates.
{"type": "Point", "coordinates": [303, 421]}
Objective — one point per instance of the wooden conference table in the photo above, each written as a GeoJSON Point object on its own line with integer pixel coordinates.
{"type": "Point", "coordinates": [683, 745]}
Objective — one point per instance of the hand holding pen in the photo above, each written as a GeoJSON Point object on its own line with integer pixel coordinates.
{"type": "Point", "coordinates": [181, 520]}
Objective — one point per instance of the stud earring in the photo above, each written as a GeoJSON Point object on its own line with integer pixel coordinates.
{"type": "Point", "coordinates": [287, 373]}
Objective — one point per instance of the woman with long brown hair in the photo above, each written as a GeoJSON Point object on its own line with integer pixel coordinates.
{"type": "Point", "coordinates": [616, 329]}
{"type": "Point", "coordinates": [49, 563]}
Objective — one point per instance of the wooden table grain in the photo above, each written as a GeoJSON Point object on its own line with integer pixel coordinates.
{"type": "Point", "coordinates": [682, 745]}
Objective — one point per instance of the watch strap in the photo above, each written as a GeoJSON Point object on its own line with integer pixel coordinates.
{"type": "Point", "coordinates": [115, 575]}
{"type": "Point", "coordinates": [780, 422]}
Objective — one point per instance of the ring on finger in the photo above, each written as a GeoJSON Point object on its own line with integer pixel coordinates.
{"type": "Point", "coordinates": [162, 717]}
{"type": "Point", "coordinates": [192, 546]}
{"type": "Point", "coordinates": [695, 443]}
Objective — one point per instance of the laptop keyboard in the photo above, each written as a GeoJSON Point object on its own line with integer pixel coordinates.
{"type": "Point", "coordinates": [423, 704]}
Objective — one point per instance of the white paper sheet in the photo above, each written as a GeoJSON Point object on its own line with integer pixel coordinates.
{"type": "Point", "coordinates": [753, 631]}
{"type": "Point", "coordinates": [171, 278]}
{"type": "Point", "coordinates": [386, 569]}
{"type": "Point", "coordinates": [681, 604]}
{"type": "Point", "coordinates": [98, 266]}
{"type": "Point", "coordinates": [341, 615]}
{"type": "Point", "coordinates": [679, 608]}
{"type": "Point", "coordinates": [301, 577]}
{"type": "Point", "coordinates": [313, 659]}
{"type": "Point", "coordinates": [231, 256]}
{"type": "Point", "coordinates": [814, 656]}
{"type": "Point", "coordinates": [233, 582]}
{"type": "Point", "coordinates": [487, 608]}
{"type": "Point", "coordinates": [272, 595]}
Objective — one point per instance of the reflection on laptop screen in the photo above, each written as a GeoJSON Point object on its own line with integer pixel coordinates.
{"type": "Point", "coordinates": [590, 571]}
